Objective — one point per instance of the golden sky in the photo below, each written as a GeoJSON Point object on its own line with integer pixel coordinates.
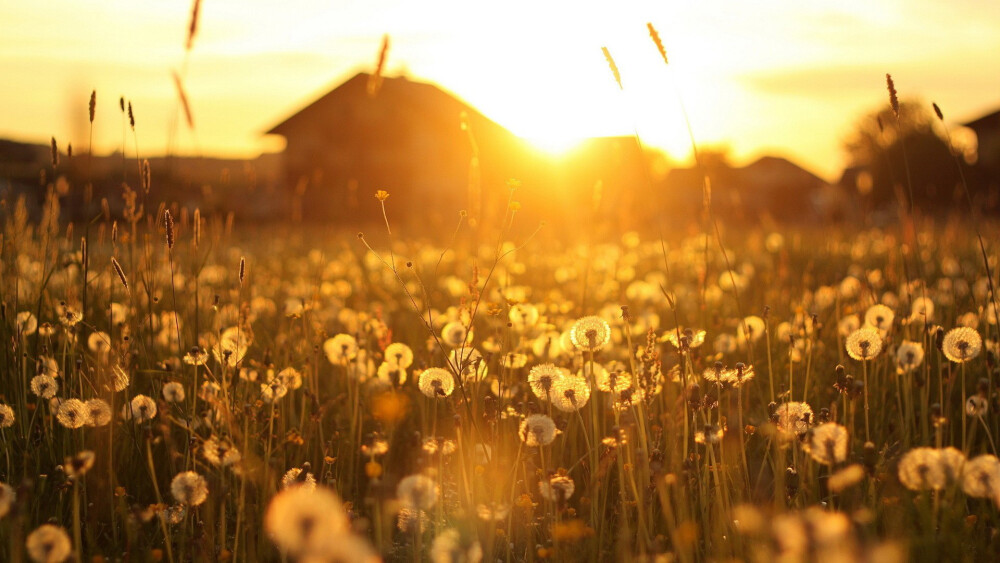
{"type": "Point", "coordinates": [782, 77]}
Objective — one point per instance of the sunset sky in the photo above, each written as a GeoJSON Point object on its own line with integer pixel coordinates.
{"type": "Point", "coordinates": [774, 76]}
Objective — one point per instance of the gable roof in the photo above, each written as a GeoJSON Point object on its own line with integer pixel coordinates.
{"type": "Point", "coordinates": [425, 101]}
{"type": "Point", "coordinates": [990, 120]}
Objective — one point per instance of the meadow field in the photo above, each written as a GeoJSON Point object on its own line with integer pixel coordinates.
{"type": "Point", "coordinates": [180, 387]}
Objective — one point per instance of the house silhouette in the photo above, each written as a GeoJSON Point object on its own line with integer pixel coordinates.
{"type": "Point", "coordinates": [987, 130]}
{"type": "Point", "coordinates": [430, 150]}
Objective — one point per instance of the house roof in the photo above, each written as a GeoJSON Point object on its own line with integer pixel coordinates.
{"type": "Point", "coordinates": [775, 165]}
{"type": "Point", "coordinates": [425, 100]}
{"type": "Point", "coordinates": [766, 170]}
{"type": "Point", "coordinates": [990, 120]}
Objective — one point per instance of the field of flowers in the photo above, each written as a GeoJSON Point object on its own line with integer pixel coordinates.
{"type": "Point", "coordinates": [178, 389]}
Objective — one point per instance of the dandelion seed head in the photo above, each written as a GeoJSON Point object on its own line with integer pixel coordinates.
{"type": "Point", "coordinates": [827, 443]}
{"type": "Point", "coordinates": [981, 476]}
{"type": "Point", "coordinates": [72, 413]}
{"type": "Point", "coordinates": [189, 488]}
{"type": "Point", "coordinates": [436, 383]}
{"type": "Point", "coordinates": [300, 520]}
{"type": "Point", "coordinates": [962, 344]}
{"type": "Point", "coordinates": [44, 386]}
{"type": "Point", "coordinates": [173, 392]}
{"type": "Point", "coordinates": [558, 488]}
{"type": "Point", "coordinates": [417, 492]}
{"type": "Point", "coordinates": [220, 452]}
{"type": "Point", "coordinates": [537, 430]}
{"type": "Point", "coordinates": [298, 477]}
{"type": "Point", "coordinates": [98, 412]}
{"type": "Point", "coordinates": [569, 393]}
{"type": "Point", "coordinates": [921, 469]}
{"type": "Point", "coordinates": [49, 543]}
{"type": "Point", "coordinates": [590, 333]}
{"type": "Point", "coordinates": [143, 408]}
{"type": "Point", "coordinates": [864, 344]}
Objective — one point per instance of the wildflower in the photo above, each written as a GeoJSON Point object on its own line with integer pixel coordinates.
{"type": "Point", "coordinates": [143, 408]}
{"type": "Point", "coordinates": [710, 434]}
{"type": "Point", "coordinates": [751, 329]}
{"type": "Point", "coordinates": [538, 430]}
{"type": "Point", "coordinates": [962, 344]}
{"type": "Point", "coordinates": [976, 405]}
{"type": "Point", "coordinates": [921, 468]}
{"type": "Point", "coordinates": [613, 380]}
{"type": "Point", "coordinates": [399, 355]}
{"type": "Point", "coordinates": [436, 383]}
{"type": "Point", "coordinates": [99, 343]}
{"type": "Point", "coordinates": [98, 412]}
{"type": "Point", "coordinates": [455, 334]}
{"type": "Point", "coordinates": [189, 488]}
{"type": "Point", "coordinates": [410, 519]}
{"type": "Point", "coordinates": [864, 344]}
{"type": "Point", "coordinates": [273, 391]}
{"type": "Point", "coordinates": [909, 356]}
{"type": "Point", "coordinates": [827, 443]}
{"type": "Point", "coordinates": [433, 446]}
{"type": "Point", "coordinates": [922, 309]}
{"type": "Point", "coordinates": [557, 488]}
{"type": "Point", "coordinates": [300, 520]}
{"type": "Point", "coordinates": [793, 418]}
{"type": "Point", "coordinates": [547, 346]}
{"type": "Point", "coordinates": [569, 394]}
{"type": "Point", "coordinates": [44, 386]}
{"type": "Point", "coordinates": [7, 497]}
{"type": "Point", "coordinates": [232, 346]}
{"type": "Point", "coordinates": [513, 360]}
{"type": "Point", "coordinates": [220, 452]}
{"type": "Point", "coordinates": [72, 413]}
{"type": "Point", "coordinates": [541, 378]}
{"type": "Point", "coordinates": [742, 373]}
{"type": "Point", "coordinates": [952, 462]}
{"type": "Point", "coordinates": [78, 465]}
{"type": "Point", "coordinates": [196, 357]}
{"type": "Point", "coordinates": [685, 339]}
{"type": "Point", "coordinates": [417, 492]}
{"type": "Point", "coordinates": [175, 514]}
{"type": "Point", "coordinates": [846, 478]}
{"type": "Point", "coordinates": [880, 317]}
{"type": "Point", "coordinates": [299, 477]}
{"type": "Point", "coordinates": [68, 316]}
{"type": "Point", "coordinates": [725, 344]}
{"type": "Point", "coordinates": [523, 316]}
{"type": "Point", "coordinates": [719, 374]}
{"type": "Point", "coordinates": [119, 378]}
{"type": "Point", "coordinates": [468, 363]}
{"type": "Point", "coordinates": [26, 323]}
{"type": "Point", "coordinates": [493, 512]}
{"type": "Point", "coordinates": [627, 398]}
{"type": "Point", "coordinates": [848, 324]}
{"type": "Point", "coordinates": [49, 543]}
{"type": "Point", "coordinates": [173, 392]}
{"type": "Point", "coordinates": [391, 374]}
{"type": "Point", "coordinates": [210, 391]}
{"type": "Point", "coordinates": [340, 349]}
{"type": "Point", "coordinates": [381, 195]}
{"type": "Point", "coordinates": [590, 333]}
{"type": "Point", "coordinates": [981, 477]}
{"type": "Point", "coordinates": [290, 377]}
{"type": "Point", "coordinates": [448, 547]}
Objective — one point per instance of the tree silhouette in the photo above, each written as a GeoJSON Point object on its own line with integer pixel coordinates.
{"type": "Point", "coordinates": [905, 156]}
